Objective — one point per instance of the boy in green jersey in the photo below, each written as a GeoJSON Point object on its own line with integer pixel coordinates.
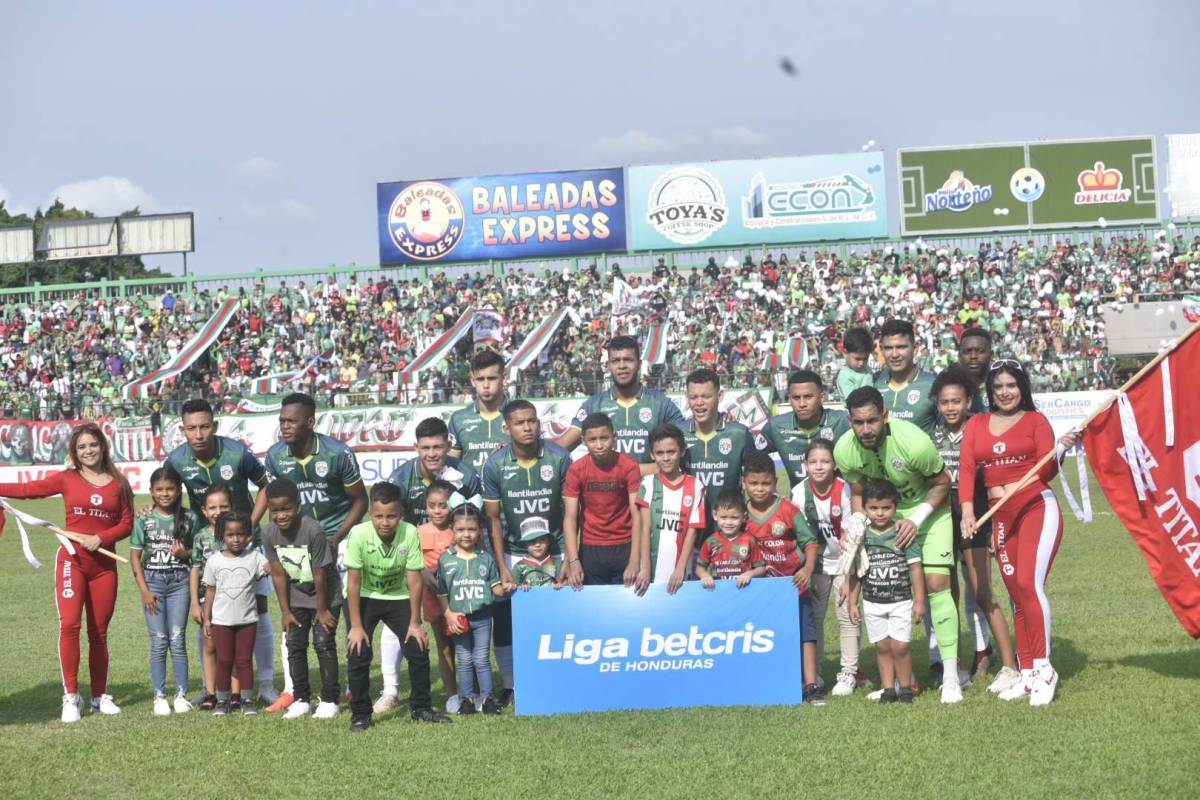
{"type": "Point", "coordinates": [538, 567]}
{"type": "Point", "coordinates": [856, 346]}
{"type": "Point", "coordinates": [383, 571]}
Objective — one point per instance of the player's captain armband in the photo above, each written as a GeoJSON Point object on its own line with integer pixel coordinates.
{"type": "Point", "coordinates": [921, 514]}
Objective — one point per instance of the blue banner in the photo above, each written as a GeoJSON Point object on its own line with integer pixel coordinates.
{"type": "Point", "coordinates": [530, 215]}
{"type": "Point", "coordinates": [605, 648]}
{"type": "Point", "coordinates": [761, 201]}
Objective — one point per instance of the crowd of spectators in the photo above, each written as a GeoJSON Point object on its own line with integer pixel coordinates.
{"type": "Point", "coordinates": [70, 356]}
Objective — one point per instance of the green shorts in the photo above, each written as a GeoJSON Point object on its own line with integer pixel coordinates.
{"type": "Point", "coordinates": [936, 538]}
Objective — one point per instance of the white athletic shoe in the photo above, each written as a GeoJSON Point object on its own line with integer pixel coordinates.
{"type": "Point", "coordinates": [875, 695]}
{"type": "Point", "coordinates": [1020, 689]}
{"type": "Point", "coordinates": [1045, 682]}
{"type": "Point", "coordinates": [326, 710]}
{"type": "Point", "coordinates": [267, 695]}
{"type": "Point", "coordinates": [845, 685]}
{"type": "Point", "coordinates": [104, 705]}
{"type": "Point", "coordinates": [386, 702]}
{"type": "Point", "coordinates": [453, 704]}
{"type": "Point", "coordinates": [182, 705]}
{"type": "Point", "coordinates": [297, 709]}
{"type": "Point", "coordinates": [951, 693]}
{"type": "Point", "coordinates": [1005, 678]}
{"type": "Point", "coordinates": [72, 707]}
{"type": "Point", "coordinates": [161, 707]}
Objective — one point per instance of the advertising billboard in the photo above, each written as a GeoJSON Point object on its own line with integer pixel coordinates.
{"type": "Point", "coordinates": [1183, 163]}
{"type": "Point", "coordinates": [948, 190]}
{"type": "Point", "coordinates": [528, 215]}
{"type": "Point", "coordinates": [758, 201]}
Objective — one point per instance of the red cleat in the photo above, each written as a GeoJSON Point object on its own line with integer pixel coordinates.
{"type": "Point", "coordinates": [285, 700]}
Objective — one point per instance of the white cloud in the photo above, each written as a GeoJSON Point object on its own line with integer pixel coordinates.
{"type": "Point", "coordinates": [258, 171]}
{"type": "Point", "coordinates": [287, 211]}
{"type": "Point", "coordinates": [636, 145]}
{"type": "Point", "coordinates": [104, 197]}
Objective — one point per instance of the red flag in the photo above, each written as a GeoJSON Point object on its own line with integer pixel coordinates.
{"type": "Point", "coordinates": [1146, 455]}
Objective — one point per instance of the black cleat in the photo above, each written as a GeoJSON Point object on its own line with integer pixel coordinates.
{"type": "Point", "coordinates": [905, 696]}
{"type": "Point", "coordinates": [935, 675]}
{"type": "Point", "coordinates": [490, 706]}
{"type": "Point", "coordinates": [466, 707]}
{"type": "Point", "coordinates": [505, 698]}
{"type": "Point", "coordinates": [429, 715]}
{"type": "Point", "coordinates": [221, 708]}
{"type": "Point", "coordinates": [359, 724]}
{"type": "Point", "coordinates": [235, 703]}
{"type": "Point", "coordinates": [814, 695]}
{"type": "Point", "coordinates": [207, 703]}
{"type": "Point", "coordinates": [889, 696]}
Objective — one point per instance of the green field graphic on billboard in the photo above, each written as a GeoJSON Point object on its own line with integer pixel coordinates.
{"type": "Point", "coordinates": [947, 190]}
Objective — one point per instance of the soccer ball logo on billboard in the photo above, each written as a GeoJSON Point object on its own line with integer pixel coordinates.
{"type": "Point", "coordinates": [687, 205]}
{"type": "Point", "coordinates": [1101, 185]}
{"type": "Point", "coordinates": [426, 220]}
{"type": "Point", "coordinates": [957, 194]}
{"type": "Point", "coordinates": [1027, 184]}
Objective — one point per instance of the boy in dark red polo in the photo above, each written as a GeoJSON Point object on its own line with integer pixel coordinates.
{"type": "Point", "coordinates": [605, 487]}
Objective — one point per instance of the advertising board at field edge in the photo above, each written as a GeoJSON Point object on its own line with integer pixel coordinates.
{"type": "Point", "coordinates": [604, 648]}
{"type": "Point", "coordinates": [757, 201]}
{"type": "Point", "coordinates": [1024, 185]}
{"type": "Point", "coordinates": [525, 215]}
{"type": "Point", "coordinates": [1183, 165]}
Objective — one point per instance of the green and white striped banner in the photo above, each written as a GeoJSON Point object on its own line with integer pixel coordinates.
{"type": "Point", "coordinates": [655, 349]}
{"type": "Point", "coordinates": [440, 347]}
{"type": "Point", "coordinates": [196, 346]}
{"type": "Point", "coordinates": [536, 341]}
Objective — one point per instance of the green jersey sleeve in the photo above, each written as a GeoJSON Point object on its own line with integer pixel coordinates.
{"type": "Point", "coordinates": [921, 453]}
{"type": "Point", "coordinates": [802, 532]}
{"type": "Point", "coordinates": [847, 458]}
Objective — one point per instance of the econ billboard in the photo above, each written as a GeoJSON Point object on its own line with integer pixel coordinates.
{"type": "Point", "coordinates": [760, 201]}
{"type": "Point", "coordinates": [527, 215]}
{"type": "Point", "coordinates": [948, 190]}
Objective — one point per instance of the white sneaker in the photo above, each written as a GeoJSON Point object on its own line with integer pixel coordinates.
{"type": "Point", "coordinates": [267, 695]}
{"type": "Point", "coordinates": [161, 707]}
{"type": "Point", "coordinates": [951, 693]}
{"type": "Point", "coordinates": [1020, 689]}
{"type": "Point", "coordinates": [72, 707]}
{"type": "Point", "coordinates": [875, 695]}
{"type": "Point", "coordinates": [104, 705]}
{"type": "Point", "coordinates": [1045, 682]}
{"type": "Point", "coordinates": [845, 685]}
{"type": "Point", "coordinates": [297, 709]}
{"type": "Point", "coordinates": [386, 702]}
{"type": "Point", "coordinates": [453, 704]}
{"type": "Point", "coordinates": [326, 710]}
{"type": "Point", "coordinates": [182, 705]}
{"type": "Point", "coordinates": [1005, 678]}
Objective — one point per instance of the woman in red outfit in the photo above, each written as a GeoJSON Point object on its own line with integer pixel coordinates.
{"type": "Point", "coordinates": [1026, 530]}
{"type": "Point", "coordinates": [99, 507]}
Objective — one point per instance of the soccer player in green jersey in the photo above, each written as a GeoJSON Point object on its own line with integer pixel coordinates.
{"type": "Point", "coordinates": [477, 430]}
{"type": "Point", "coordinates": [975, 356]}
{"type": "Point", "coordinates": [634, 409]}
{"type": "Point", "coordinates": [904, 386]}
{"type": "Point", "coordinates": [716, 449]}
{"type": "Point", "coordinates": [900, 452]}
{"type": "Point", "coordinates": [790, 434]}
{"type": "Point", "coordinates": [383, 568]}
{"type": "Point", "coordinates": [521, 481]}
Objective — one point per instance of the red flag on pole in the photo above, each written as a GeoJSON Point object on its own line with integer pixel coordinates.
{"type": "Point", "coordinates": [1145, 452]}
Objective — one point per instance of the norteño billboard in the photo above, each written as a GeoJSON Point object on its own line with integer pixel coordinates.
{"type": "Point", "coordinates": [759, 201]}
{"type": "Point", "coordinates": [1028, 185]}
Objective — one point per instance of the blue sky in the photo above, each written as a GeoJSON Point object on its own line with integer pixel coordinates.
{"type": "Point", "coordinates": [274, 121]}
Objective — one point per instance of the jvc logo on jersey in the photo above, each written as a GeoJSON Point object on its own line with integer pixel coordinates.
{"type": "Point", "coordinates": [887, 574]}
{"type": "Point", "coordinates": [467, 593]}
{"type": "Point", "coordinates": [631, 446]}
{"type": "Point", "coordinates": [310, 497]}
{"type": "Point", "coordinates": [537, 505]}
{"type": "Point", "coordinates": [710, 478]}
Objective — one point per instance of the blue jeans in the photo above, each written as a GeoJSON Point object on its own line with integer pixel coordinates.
{"type": "Point", "coordinates": [472, 656]}
{"type": "Point", "coordinates": [166, 628]}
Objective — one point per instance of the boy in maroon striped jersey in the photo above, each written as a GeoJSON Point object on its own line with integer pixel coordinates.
{"type": "Point", "coordinates": [731, 552]}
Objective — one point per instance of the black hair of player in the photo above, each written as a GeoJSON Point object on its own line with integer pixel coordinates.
{"type": "Point", "coordinates": [218, 488]}
{"type": "Point", "coordinates": [624, 343]}
{"type": "Point", "coordinates": [801, 376]}
{"type": "Point", "coordinates": [668, 431]}
{"type": "Point", "coordinates": [975, 333]}
{"type": "Point", "coordinates": [757, 463]}
{"type": "Point", "coordinates": [596, 419]}
{"type": "Point", "coordinates": [704, 375]}
{"type": "Point", "coordinates": [440, 486]}
{"type": "Point", "coordinates": [858, 341]}
{"type": "Point", "coordinates": [386, 493]}
{"type": "Point", "coordinates": [1012, 367]}
{"type": "Point", "coordinates": [485, 359]}
{"type": "Point", "coordinates": [301, 399]}
{"type": "Point", "coordinates": [953, 375]}
{"type": "Point", "coordinates": [819, 444]}
{"type": "Point", "coordinates": [432, 427]}
{"type": "Point", "coordinates": [898, 327]}
{"type": "Point", "coordinates": [513, 406]}
{"type": "Point", "coordinates": [195, 406]}
{"type": "Point", "coordinates": [864, 396]}
{"type": "Point", "coordinates": [467, 511]}
{"type": "Point", "coordinates": [228, 518]}
{"type": "Point", "coordinates": [876, 489]}
{"type": "Point", "coordinates": [730, 497]}
{"type": "Point", "coordinates": [283, 489]}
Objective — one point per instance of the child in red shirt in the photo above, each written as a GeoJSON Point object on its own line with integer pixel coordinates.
{"type": "Point", "coordinates": [604, 486]}
{"type": "Point", "coordinates": [731, 552]}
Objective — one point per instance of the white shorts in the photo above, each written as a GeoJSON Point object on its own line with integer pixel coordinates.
{"type": "Point", "coordinates": [888, 620]}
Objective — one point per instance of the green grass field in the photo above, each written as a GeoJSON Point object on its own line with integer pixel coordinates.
{"type": "Point", "coordinates": [1123, 724]}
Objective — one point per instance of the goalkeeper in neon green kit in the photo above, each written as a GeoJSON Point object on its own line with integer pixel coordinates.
{"type": "Point", "coordinates": [900, 452]}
